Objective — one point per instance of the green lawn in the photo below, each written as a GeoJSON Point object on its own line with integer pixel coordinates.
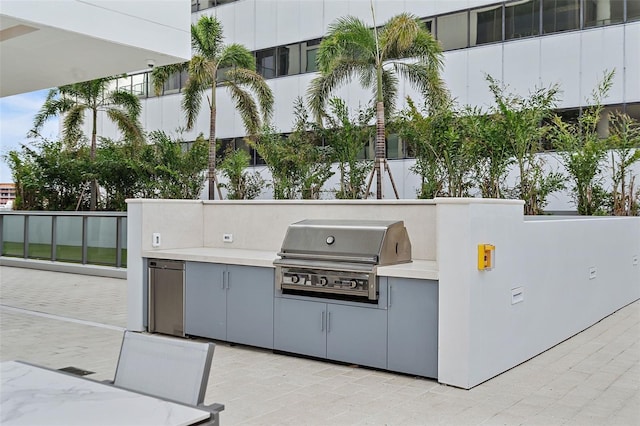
{"type": "Point", "coordinates": [66, 253]}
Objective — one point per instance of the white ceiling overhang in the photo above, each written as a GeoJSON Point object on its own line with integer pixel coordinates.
{"type": "Point", "coordinates": [35, 55]}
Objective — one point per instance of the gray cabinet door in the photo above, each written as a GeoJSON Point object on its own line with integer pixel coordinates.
{"type": "Point", "coordinates": [299, 327]}
{"type": "Point", "coordinates": [250, 305]}
{"type": "Point", "coordinates": [357, 335]}
{"type": "Point", "coordinates": [413, 326]}
{"type": "Point", "coordinates": [206, 300]}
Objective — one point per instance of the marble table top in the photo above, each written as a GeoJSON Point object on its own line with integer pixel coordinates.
{"type": "Point", "coordinates": [32, 395]}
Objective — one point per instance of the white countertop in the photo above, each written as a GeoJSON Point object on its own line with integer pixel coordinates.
{"type": "Point", "coordinates": [33, 395]}
{"type": "Point", "coordinates": [418, 269]}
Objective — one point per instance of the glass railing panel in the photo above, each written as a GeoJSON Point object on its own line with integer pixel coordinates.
{"type": "Point", "coordinates": [123, 244]}
{"type": "Point", "coordinates": [39, 236]}
{"type": "Point", "coordinates": [69, 239]}
{"type": "Point", "coordinates": [13, 235]}
{"type": "Point", "coordinates": [101, 240]}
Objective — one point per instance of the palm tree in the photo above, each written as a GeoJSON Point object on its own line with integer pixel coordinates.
{"type": "Point", "coordinates": [377, 58]}
{"type": "Point", "coordinates": [75, 100]}
{"type": "Point", "coordinates": [237, 64]}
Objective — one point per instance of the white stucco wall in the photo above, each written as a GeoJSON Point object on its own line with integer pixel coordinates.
{"type": "Point", "coordinates": [481, 332]}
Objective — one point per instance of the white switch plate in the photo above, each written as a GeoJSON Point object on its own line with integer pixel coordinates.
{"type": "Point", "coordinates": [227, 238]}
{"type": "Point", "coordinates": [592, 272]}
{"type": "Point", "coordinates": [155, 239]}
{"type": "Point", "coordinates": [517, 295]}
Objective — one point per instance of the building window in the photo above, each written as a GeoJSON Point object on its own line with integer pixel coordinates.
{"type": "Point", "coordinates": [430, 23]}
{"type": "Point", "coordinates": [453, 30]}
{"type": "Point", "coordinates": [266, 62]}
{"type": "Point", "coordinates": [633, 10]}
{"type": "Point", "coordinates": [522, 19]}
{"type": "Point", "coordinates": [486, 25]}
{"type": "Point", "coordinates": [560, 15]}
{"type": "Point", "coordinates": [598, 13]}
{"type": "Point", "coordinates": [172, 85]}
{"type": "Point", "coordinates": [308, 53]}
{"type": "Point", "coordinates": [288, 60]}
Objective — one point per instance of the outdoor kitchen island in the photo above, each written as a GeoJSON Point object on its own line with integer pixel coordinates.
{"type": "Point", "coordinates": [546, 279]}
{"type": "Point", "coordinates": [230, 295]}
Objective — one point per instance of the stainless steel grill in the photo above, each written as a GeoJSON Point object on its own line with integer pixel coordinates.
{"type": "Point", "coordinates": [339, 258]}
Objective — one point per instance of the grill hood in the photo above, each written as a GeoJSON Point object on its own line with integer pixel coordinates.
{"type": "Point", "coordinates": [374, 242]}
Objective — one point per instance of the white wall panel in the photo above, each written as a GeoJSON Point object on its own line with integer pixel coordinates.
{"type": "Point", "coordinates": [449, 6]}
{"type": "Point", "coordinates": [521, 68]}
{"type": "Point", "coordinates": [172, 115]}
{"type": "Point", "coordinates": [362, 9]}
{"type": "Point", "coordinates": [386, 9]}
{"type": "Point", "coordinates": [632, 63]}
{"type": "Point", "coordinates": [455, 75]}
{"type": "Point", "coordinates": [334, 9]}
{"type": "Point", "coordinates": [226, 117]}
{"type": "Point", "coordinates": [243, 26]}
{"type": "Point", "coordinates": [287, 90]}
{"type": "Point", "coordinates": [421, 8]}
{"type": "Point", "coordinates": [266, 24]}
{"type": "Point", "coordinates": [288, 21]}
{"type": "Point", "coordinates": [602, 50]}
{"type": "Point", "coordinates": [560, 63]}
{"type": "Point", "coordinates": [311, 22]}
{"type": "Point", "coordinates": [482, 61]}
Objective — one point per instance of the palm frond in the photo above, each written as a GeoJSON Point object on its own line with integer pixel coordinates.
{"type": "Point", "coordinates": [398, 35]}
{"type": "Point", "coordinates": [192, 100]}
{"type": "Point", "coordinates": [160, 75]}
{"type": "Point", "coordinates": [257, 85]}
{"type": "Point", "coordinates": [53, 105]}
{"type": "Point", "coordinates": [72, 123]}
{"type": "Point", "coordinates": [236, 55]}
{"type": "Point", "coordinates": [202, 71]}
{"type": "Point", "coordinates": [348, 38]}
{"type": "Point", "coordinates": [129, 126]}
{"type": "Point", "coordinates": [246, 106]}
{"type": "Point", "coordinates": [126, 100]}
{"type": "Point", "coordinates": [423, 78]}
{"type": "Point", "coordinates": [206, 37]}
{"type": "Point", "coordinates": [389, 92]}
{"type": "Point", "coordinates": [321, 87]}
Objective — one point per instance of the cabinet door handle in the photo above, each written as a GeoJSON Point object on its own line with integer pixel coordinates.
{"type": "Point", "coordinates": [322, 321]}
{"type": "Point", "coordinates": [389, 296]}
{"type": "Point", "coordinates": [228, 279]}
{"type": "Point", "coordinates": [224, 277]}
{"type": "Point", "coordinates": [329, 322]}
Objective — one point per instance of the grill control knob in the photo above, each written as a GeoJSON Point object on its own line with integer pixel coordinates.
{"type": "Point", "coordinates": [353, 283]}
{"type": "Point", "coordinates": [323, 281]}
{"type": "Point", "coordinates": [295, 279]}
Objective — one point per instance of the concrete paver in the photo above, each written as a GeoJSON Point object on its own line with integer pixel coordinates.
{"type": "Point", "coordinates": [592, 378]}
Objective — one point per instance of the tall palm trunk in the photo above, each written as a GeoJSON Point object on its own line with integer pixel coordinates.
{"type": "Point", "coordinates": [94, 183]}
{"type": "Point", "coordinates": [380, 147]}
{"type": "Point", "coordinates": [212, 146]}
{"type": "Point", "coordinates": [380, 130]}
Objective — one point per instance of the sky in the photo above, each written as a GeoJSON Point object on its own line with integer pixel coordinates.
{"type": "Point", "coordinates": [16, 119]}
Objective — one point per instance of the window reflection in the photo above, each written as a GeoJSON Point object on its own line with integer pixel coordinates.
{"type": "Point", "coordinates": [453, 30]}
{"type": "Point", "coordinates": [486, 25]}
{"type": "Point", "coordinates": [603, 12]}
{"type": "Point", "coordinates": [266, 63]}
{"type": "Point", "coordinates": [309, 50]}
{"type": "Point", "coordinates": [289, 60]}
{"type": "Point", "coordinates": [560, 15]}
{"type": "Point", "coordinates": [522, 19]}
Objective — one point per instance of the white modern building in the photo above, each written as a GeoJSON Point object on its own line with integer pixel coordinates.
{"type": "Point", "coordinates": [524, 43]}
